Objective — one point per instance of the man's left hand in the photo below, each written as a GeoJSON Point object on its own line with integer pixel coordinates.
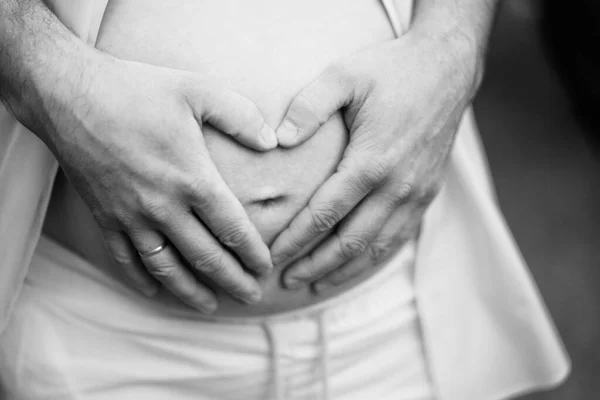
{"type": "Point", "coordinates": [402, 102]}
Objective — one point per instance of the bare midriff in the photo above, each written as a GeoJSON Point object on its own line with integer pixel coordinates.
{"type": "Point", "coordinates": [267, 50]}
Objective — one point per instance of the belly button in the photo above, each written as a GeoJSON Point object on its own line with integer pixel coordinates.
{"type": "Point", "coordinates": [267, 197]}
{"type": "Point", "coordinates": [271, 202]}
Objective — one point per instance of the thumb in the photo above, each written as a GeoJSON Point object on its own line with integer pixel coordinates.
{"type": "Point", "coordinates": [313, 106]}
{"type": "Point", "coordinates": [233, 114]}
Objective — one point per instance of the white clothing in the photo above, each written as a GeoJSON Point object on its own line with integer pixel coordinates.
{"type": "Point", "coordinates": [486, 331]}
{"type": "Point", "coordinates": [79, 333]}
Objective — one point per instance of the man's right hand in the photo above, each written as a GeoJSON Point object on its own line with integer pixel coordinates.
{"type": "Point", "coordinates": [131, 143]}
{"type": "Point", "coordinates": [129, 138]}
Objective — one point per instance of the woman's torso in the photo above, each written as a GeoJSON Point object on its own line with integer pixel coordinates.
{"type": "Point", "coordinates": [266, 50]}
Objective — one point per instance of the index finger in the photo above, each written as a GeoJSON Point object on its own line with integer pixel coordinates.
{"type": "Point", "coordinates": [232, 114]}
{"type": "Point", "coordinates": [349, 241]}
{"type": "Point", "coordinates": [313, 106]}
{"type": "Point", "coordinates": [222, 212]}
{"type": "Point", "coordinates": [207, 258]}
{"type": "Point", "coordinates": [330, 204]}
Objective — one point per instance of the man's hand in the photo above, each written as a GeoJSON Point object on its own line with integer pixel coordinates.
{"type": "Point", "coordinates": [134, 150]}
{"type": "Point", "coordinates": [129, 138]}
{"type": "Point", "coordinates": [402, 102]}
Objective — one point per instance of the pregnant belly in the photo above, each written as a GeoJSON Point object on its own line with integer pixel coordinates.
{"type": "Point", "coordinates": [266, 50]}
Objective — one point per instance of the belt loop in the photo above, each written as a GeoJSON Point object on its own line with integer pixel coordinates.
{"type": "Point", "coordinates": [324, 352]}
{"type": "Point", "coordinates": [275, 350]}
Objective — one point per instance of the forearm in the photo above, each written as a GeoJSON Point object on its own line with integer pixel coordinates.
{"type": "Point", "coordinates": [472, 18]}
{"type": "Point", "coordinates": [461, 26]}
{"type": "Point", "coordinates": [42, 64]}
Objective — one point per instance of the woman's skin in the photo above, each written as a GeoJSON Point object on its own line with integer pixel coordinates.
{"type": "Point", "coordinates": [43, 68]}
{"type": "Point", "coordinates": [268, 63]}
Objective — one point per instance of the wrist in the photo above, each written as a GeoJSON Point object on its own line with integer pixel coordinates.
{"type": "Point", "coordinates": [60, 82]}
{"type": "Point", "coordinates": [42, 65]}
{"type": "Point", "coordinates": [458, 53]}
{"type": "Point", "coordinates": [457, 33]}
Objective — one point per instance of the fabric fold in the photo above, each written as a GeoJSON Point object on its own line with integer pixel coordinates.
{"type": "Point", "coordinates": [28, 169]}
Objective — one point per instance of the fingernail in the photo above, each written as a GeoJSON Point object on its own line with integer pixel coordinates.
{"type": "Point", "coordinates": [268, 269]}
{"type": "Point", "coordinates": [279, 259]}
{"type": "Point", "coordinates": [207, 308]}
{"type": "Point", "coordinates": [268, 136]}
{"type": "Point", "coordinates": [294, 284]}
{"type": "Point", "coordinates": [321, 286]}
{"type": "Point", "coordinates": [254, 297]}
{"type": "Point", "coordinates": [287, 132]}
{"type": "Point", "coordinates": [149, 291]}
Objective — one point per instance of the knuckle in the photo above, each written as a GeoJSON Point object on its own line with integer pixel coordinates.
{"type": "Point", "coordinates": [100, 216]}
{"type": "Point", "coordinates": [379, 250]}
{"type": "Point", "coordinates": [162, 271]}
{"type": "Point", "coordinates": [342, 275]}
{"type": "Point", "coordinates": [237, 290]}
{"type": "Point", "coordinates": [339, 71]}
{"type": "Point", "coordinates": [352, 246]}
{"type": "Point", "coordinates": [110, 219]}
{"type": "Point", "coordinates": [402, 192]}
{"type": "Point", "coordinates": [210, 263]}
{"type": "Point", "coordinates": [248, 111]}
{"type": "Point", "coordinates": [324, 219]}
{"type": "Point", "coordinates": [155, 208]}
{"type": "Point", "coordinates": [196, 183]}
{"type": "Point", "coordinates": [123, 218]}
{"type": "Point", "coordinates": [312, 270]}
{"type": "Point", "coordinates": [201, 190]}
{"type": "Point", "coordinates": [234, 235]}
{"type": "Point", "coordinates": [370, 174]}
{"type": "Point", "coordinates": [427, 195]}
{"type": "Point", "coordinates": [294, 245]}
{"type": "Point", "coordinates": [121, 259]}
{"type": "Point", "coordinates": [192, 85]}
{"type": "Point", "coordinates": [378, 169]}
{"type": "Point", "coordinates": [304, 104]}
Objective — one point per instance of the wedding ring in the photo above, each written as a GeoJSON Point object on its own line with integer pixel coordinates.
{"type": "Point", "coordinates": [154, 251]}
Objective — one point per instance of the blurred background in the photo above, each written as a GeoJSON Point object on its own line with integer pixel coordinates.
{"type": "Point", "coordinates": [538, 112]}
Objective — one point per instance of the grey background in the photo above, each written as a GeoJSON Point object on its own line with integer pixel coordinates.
{"type": "Point", "coordinates": [548, 180]}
